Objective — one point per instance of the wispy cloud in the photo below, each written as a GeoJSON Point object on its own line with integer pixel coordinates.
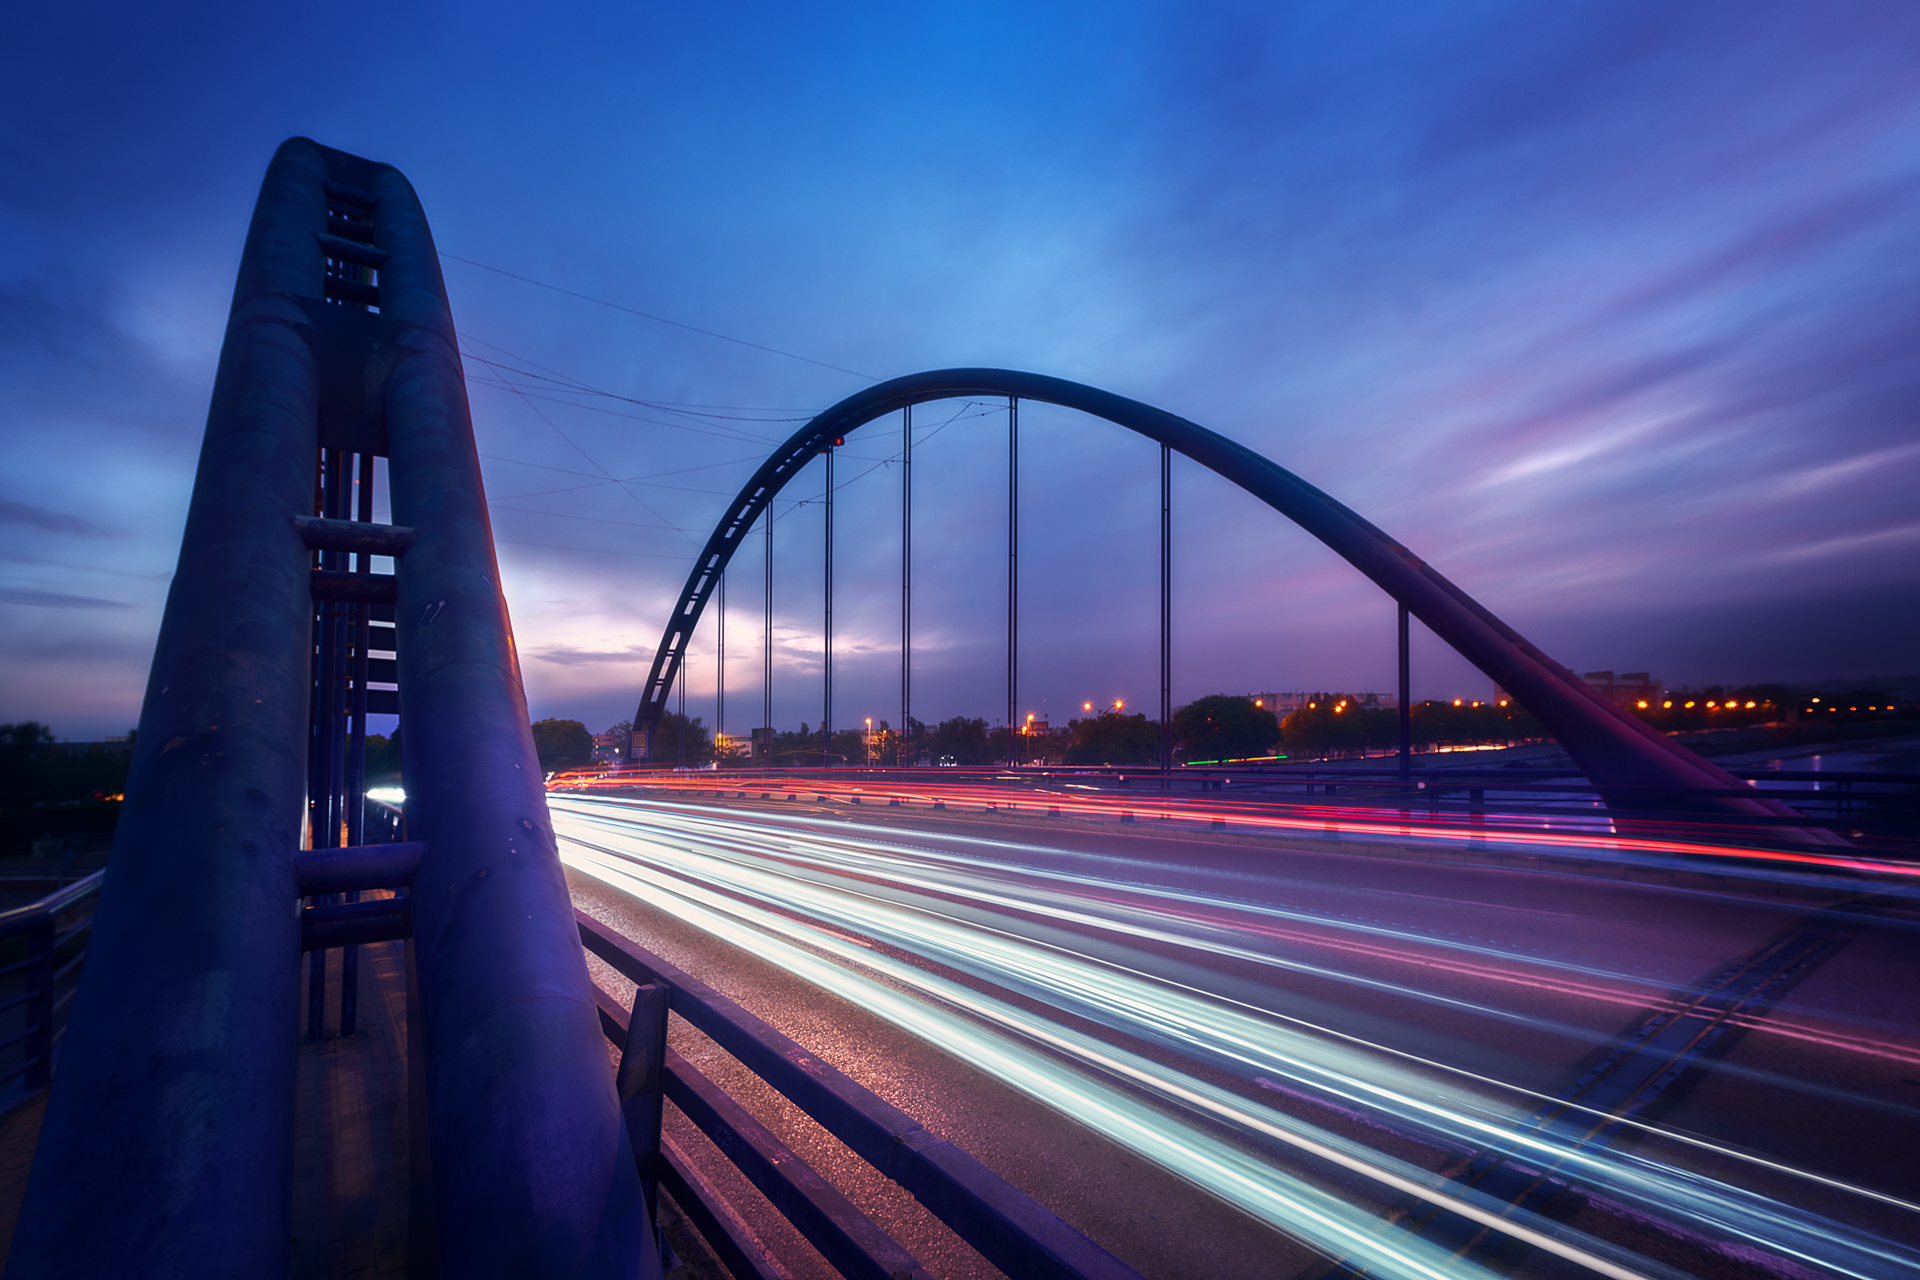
{"type": "Point", "coordinates": [27, 515]}
{"type": "Point", "coordinates": [56, 599]}
{"type": "Point", "coordinates": [593, 657]}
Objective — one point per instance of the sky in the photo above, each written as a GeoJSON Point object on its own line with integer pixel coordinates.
{"type": "Point", "coordinates": [1610, 311]}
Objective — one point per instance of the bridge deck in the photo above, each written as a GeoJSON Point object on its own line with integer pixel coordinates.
{"type": "Point", "coordinates": [350, 1183]}
{"type": "Point", "coordinates": [350, 1187]}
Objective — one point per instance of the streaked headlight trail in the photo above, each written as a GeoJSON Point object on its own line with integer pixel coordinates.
{"type": "Point", "coordinates": [853, 908]}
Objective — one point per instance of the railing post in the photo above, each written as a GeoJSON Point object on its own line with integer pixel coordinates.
{"type": "Point", "coordinates": [641, 1084]}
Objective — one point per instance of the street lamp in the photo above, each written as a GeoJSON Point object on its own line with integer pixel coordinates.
{"type": "Point", "coordinates": [869, 742]}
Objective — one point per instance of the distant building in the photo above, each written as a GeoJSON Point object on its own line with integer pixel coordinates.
{"type": "Point", "coordinates": [1281, 704]}
{"type": "Point", "coordinates": [610, 748]}
{"type": "Point", "coordinates": [1285, 704]}
{"type": "Point", "coordinates": [1628, 689]}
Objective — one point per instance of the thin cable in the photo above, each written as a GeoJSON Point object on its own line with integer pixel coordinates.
{"type": "Point", "coordinates": [647, 315]}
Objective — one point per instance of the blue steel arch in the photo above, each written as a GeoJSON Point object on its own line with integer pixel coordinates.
{"type": "Point", "coordinates": [1642, 768]}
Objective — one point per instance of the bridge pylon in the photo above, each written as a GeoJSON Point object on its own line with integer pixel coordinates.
{"type": "Point", "coordinates": [167, 1144]}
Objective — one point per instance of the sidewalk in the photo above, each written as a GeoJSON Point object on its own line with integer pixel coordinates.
{"type": "Point", "coordinates": [350, 1165]}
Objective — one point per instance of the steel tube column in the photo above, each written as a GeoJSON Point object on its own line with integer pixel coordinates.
{"type": "Point", "coordinates": [532, 1168]}
{"type": "Point", "coordinates": [168, 1137]}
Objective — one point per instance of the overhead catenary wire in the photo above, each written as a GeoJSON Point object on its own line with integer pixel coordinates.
{"type": "Point", "coordinates": [658, 319]}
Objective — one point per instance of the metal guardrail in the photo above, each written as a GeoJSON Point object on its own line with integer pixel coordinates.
{"type": "Point", "coordinates": [1008, 1227]}
{"type": "Point", "coordinates": [36, 988]}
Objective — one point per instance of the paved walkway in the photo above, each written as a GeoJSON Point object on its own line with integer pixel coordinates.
{"type": "Point", "coordinates": [350, 1142]}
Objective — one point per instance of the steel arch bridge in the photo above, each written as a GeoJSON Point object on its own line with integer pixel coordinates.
{"type": "Point", "coordinates": [1636, 766]}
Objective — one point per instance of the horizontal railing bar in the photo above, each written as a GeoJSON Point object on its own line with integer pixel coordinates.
{"type": "Point", "coordinates": [62, 939]}
{"type": "Point", "coordinates": [33, 1029]}
{"type": "Point", "coordinates": [1007, 1226]}
{"type": "Point", "coordinates": [845, 1237]}
{"type": "Point", "coordinates": [29, 914]}
{"type": "Point", "coordinates": [739, 1255]}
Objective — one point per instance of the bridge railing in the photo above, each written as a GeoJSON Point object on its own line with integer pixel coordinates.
{"type": "Point", "coordinates": [42, 948]}
{"type": "Point", "coordinates": [1006, 1226]}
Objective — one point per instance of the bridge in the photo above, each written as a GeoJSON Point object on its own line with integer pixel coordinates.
{"type": "Point", "coordinates": [717, 1023]}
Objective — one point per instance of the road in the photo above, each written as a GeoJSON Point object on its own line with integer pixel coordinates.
{"type": "Point", "coordinates": [1234, 1055]}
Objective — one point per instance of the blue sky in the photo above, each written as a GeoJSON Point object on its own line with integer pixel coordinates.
{"type": "Point", "coordinates": [1608, 310]}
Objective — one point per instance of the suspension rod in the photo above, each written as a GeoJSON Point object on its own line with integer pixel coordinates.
{"type": "Point", "coordinates": [826, 721]}
{"type": "Point", "coordinates": [905, 737]}
{"type": "Point", "coordinates": [1166, 609]}
{"type": "Point", "coordinates": [766, 682]}
{"type": "Point", "coordinates": [1013, 576]}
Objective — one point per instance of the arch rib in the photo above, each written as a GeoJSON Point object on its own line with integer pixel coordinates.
{"type": "Point", "coordinates": [1638, 767]}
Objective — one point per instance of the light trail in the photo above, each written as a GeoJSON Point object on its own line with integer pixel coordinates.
{"type": "Point", "coordinates": [1288, 1204]}
{"type": "Point", "coordinates": [728, 835]}
{"type": "Point", "coordinates": [638, 845]}
{"type": "Point", "coordinates": [1384, 821]}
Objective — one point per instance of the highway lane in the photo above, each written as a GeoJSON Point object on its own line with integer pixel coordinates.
{"type": "Point", "coordinates": [1323, 1027]}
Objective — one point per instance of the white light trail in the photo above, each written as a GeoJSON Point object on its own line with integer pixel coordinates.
{"type": "Point", "coordinates": [745, 858]}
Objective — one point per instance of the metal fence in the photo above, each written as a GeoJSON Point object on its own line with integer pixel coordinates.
{"type": "Point", "coordinates": [42, 947]}
{"type": "Point", "coordinates": [1008, 1227]}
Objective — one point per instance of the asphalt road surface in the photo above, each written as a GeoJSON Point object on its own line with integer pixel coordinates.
{"type": "Point", "coordinates": [1237, 1056]}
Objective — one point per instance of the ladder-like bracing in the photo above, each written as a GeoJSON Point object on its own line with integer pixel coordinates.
{"type": "Point", "coordinates": [167, 1144]}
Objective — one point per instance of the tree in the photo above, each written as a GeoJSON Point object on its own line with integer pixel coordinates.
{"type": "Point", "coordinates": [676, 730]}
{"type": "Point", "coordinates": [383, 759]}
{"type": "Point", "coordinates": [958, 741]}
{"type": "Point", "coordinates": [1112, 738]}
{"type": "Point", "coordinates": [25, 777]}
{"type": "Point", "coordinates": [562, 744]}
{"type": "Point", "coordinates": [1223, 727]}
{"type": "Point", "coordinates": [1334, 724]}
